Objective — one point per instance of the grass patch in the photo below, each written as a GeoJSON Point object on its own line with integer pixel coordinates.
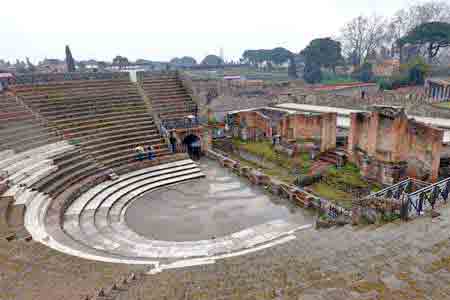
{"type": "Point", "coordinates": [339, 185]}
{"type": "Point", "coordinates": [445, 105]}
{"type": "Point", "coordinates": [329, 192]}
{"type": "Point", "coordinates": [298, 164]}
{"type": "Point", "coordinates": [347, 175]}
{"type": "Point", "coordinates": [277, 173]}
{"type": "Point", "coordinates": [339, 80]}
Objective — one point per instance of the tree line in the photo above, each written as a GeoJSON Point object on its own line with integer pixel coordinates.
{"type": "Point", "coordinates": [419, 33]}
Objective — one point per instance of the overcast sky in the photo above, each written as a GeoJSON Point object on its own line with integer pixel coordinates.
{"type": "Point", "coordinates": [163, 29]}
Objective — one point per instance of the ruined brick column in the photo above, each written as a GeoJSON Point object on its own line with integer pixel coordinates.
{"type": "Point", "coordinates": [372, 134]}
{"type": "Point", "coordinates": [438, 136]}
{"type": "Point", "coordinates": [328, 131]}
{"type": "Point", "coordinates": [353, 134]}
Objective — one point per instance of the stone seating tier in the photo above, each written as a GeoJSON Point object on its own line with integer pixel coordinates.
{"type": "Point", "coordinates": [169, 91]}
{"type": "Point", "coordinates": [127, 149]}
{"type": "Point", "coordinates": [20, 129]}
{"type": "Point", "coordinates": [58, 181]}
{"type": "Point", "coordinates": [59, 95]}
{"type": "Point", "coordinates": [159, 80]}
{"type": "Point", "coordinates": [89, 213]}
{"type": "Point", "coordinates": [86, 106]}
{"type": "Point", "coordinates": [129, 158]}
{"type": "Point", "coordinates": [123, 134]}
{"type": "Point", "coordinates": [102, 125]}
{"type": "Point", "coordinates": [99, 119]}
{"type": "Point", "coordinates": [89, 115]}
{"type": "Point", "coordinates": [92, 100]}
{"type": "Point", "coordinates": [171, 100]}
{"type": "Point", "coordinates": [104, 132]}
{"type": "Point", "coordinates": [31, 141]}
{"type": "Point", "coordinates": [166, 88]}
{"type": "Point", "coordinates": [69, 85]}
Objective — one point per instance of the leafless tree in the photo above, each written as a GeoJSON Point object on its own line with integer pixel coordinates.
{"type": "Point", "coordinates": [362, 36]}
{"type": "Point", "coordinates": [407, 19]}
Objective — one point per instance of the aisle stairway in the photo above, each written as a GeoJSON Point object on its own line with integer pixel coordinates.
{"type": "Point", "coordinates": [20, 129]}
{"type": "Point", "coordinates": [168, 96]}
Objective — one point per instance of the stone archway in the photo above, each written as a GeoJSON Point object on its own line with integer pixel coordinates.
{"type": "Point", "coordinates": [193, 146]}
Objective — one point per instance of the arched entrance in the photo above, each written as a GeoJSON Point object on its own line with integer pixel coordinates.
{"type": "Point", "coordinates": [193, 146]}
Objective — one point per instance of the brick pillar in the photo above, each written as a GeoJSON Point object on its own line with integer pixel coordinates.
{"type": "Point", "coordinates": [352, 139]}
{"type": "Point", "coordinates": [372, 134]}
{"type": "Point", "coordinates": [438, 136]}
{"type": "Point", "coordinates": [327, 131]}
{"type": "Point", "coordinates": [400, 143]}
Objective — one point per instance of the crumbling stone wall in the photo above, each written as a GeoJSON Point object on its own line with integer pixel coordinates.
{"type": "Point", "coordinates": [413, 99]}
{"type": "Point", "coordinates": [372, 209]}
{"type": "Point", "coordinates": [388, 146]}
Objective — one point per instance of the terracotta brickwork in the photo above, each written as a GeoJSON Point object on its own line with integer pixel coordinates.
{"type": "Point", "coordinates": [310, 126]}
{"type": "Point", "coordinates": [387, 146]}
{"type": "Point", "coordinates": [255, 123]}
{"type": "Point", "coordinates": [264, 123]}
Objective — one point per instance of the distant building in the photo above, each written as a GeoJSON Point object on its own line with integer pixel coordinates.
{"type": "Point", "coordinates": [5, 80]}
{"type": "Point", "coordinates": [438, 89]}
{"type": "Point", "coordinates": [50, 65]}
{"type": "Point", "coordinates": [386, 67]}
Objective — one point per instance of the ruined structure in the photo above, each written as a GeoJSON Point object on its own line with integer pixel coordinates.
{"type": "Point", "coordinates": [438, 89]}
{"type": "Point", "coordinates": [291, 126]}
{"type": "Point", "coordinates": [310, 126]}
{"type": "Point", "coordinates": [388, 146]}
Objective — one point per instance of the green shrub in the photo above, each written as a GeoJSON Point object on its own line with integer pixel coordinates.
{"type": "Point", "coordinates": [305, 180]}
{"type": "Point", "coordinates": [385, 84]}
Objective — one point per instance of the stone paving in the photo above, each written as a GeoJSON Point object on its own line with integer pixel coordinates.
{"type": "Point", "coordinates": [395, 261]}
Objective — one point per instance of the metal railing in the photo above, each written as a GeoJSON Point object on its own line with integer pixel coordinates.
{"type": "Point", "coordinates": [415, 202]}
{"type": "Point", "coordinates": [427, 197]}
{"type": "Point", "coordinates": [181, 123]}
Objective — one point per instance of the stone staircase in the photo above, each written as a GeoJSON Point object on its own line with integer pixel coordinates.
{"type": "Point", "coordinates": [169, 99]}
{"type": "Point", "coordinates": [327, 159]}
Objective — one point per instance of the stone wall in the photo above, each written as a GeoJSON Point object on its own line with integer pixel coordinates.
{"type": "Point", "coordinates": [221, 96]}
{"type": "Point", "coordinates": [388, 146]}
{"type": "Point", "coordinates": [374, 210]}
{"type": "Point", "coordinates": [413, 99]}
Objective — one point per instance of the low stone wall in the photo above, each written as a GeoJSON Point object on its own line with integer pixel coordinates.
{"type": "Point", "coordinates": [289, 191]}
{"type": "Point", "coordinates": [374, 209]}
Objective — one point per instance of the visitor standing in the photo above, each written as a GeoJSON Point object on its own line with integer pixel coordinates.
{"type": "Point", "coordinates": [150, 153]}
{"type": "Point", "coordinates": [173, 142]}
{"type": "Point", "coordinates": [140, 153]}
